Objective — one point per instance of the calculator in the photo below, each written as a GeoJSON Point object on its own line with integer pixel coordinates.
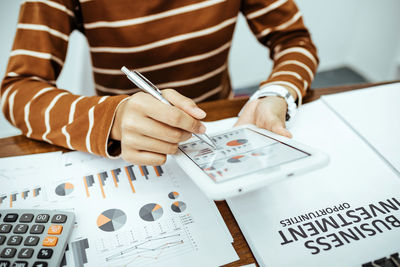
{"type": "Point", "coordinates": [34, 238]}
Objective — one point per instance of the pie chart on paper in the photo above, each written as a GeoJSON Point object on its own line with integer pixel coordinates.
{"type": "Point", "coordinates": [111, 220]}
{"type": "Point", "coordinates": [178, 206]}
{"type": "Point", "coordinates": [64, 189]}
{"type": "Point", "coordinates": [173, 195]}
{"type": "Point", "coordinates": [151, 212]}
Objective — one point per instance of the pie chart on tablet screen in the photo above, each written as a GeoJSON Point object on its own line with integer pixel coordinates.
{"type": "Point", "coordinates": [237, 159]}
{"type": "Point", "coordinates": [237, 142]}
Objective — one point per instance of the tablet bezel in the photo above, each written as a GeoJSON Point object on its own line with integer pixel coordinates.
{"type": "Point", "coordinates": [247, 183]}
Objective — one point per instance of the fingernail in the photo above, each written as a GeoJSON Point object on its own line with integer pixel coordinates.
{"type": "Point", "coordinates": [202, 129]}
{"type": "Point", "coordinates": [199, 112]}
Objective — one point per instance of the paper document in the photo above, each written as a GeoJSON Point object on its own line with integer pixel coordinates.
{"type": "Point", "coordinates": [345, 214]}
{"type": "Point", "coordinates": [21, 179]}
{"type": "Point", "coordinates": [375, 114]}
{"type": "Point", "coordinates": [129, 215]}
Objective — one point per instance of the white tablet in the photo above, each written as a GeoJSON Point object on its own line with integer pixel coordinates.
{"type": "Point", "coordinates": [246, 159]}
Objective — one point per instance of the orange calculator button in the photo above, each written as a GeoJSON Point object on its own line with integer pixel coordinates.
{"type": "Point", "coordinates": [50, 241]}
{"type": "Point", "coordinates": [55, 229]}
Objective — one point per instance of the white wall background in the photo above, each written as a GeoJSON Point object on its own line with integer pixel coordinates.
{"type": "Point", "coordinates": [362, 34]}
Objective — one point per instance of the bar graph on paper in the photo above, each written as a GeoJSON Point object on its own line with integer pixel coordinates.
{"type": "Point", "coordinates": [15, 198]}
{"type": "Point", "coordinates": [22, 196]}
{"type": "Point", "coordinates": [141, 231]}
{"type": "Point", "coordinates": [96, 184]}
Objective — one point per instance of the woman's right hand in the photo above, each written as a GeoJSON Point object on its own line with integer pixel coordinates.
{"type": "Point", "coordinates": [150, 129]}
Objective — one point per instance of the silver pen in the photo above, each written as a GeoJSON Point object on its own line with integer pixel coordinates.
{"type": "Point", "coordinates": [140, 81]}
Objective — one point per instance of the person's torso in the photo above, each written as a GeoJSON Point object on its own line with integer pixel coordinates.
{"type": "Point", "coordinates": [176, 44]}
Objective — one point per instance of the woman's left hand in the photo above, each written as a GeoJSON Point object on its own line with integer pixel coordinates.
{"type": "Point", "coordinates": [268, 113]}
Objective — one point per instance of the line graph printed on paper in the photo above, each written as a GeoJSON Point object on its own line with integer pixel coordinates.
{"type": "Point", "coordinates": [153, 249]}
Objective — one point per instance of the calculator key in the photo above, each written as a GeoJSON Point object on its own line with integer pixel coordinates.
{"type": "Point", "coordinates": [20, 264]}
{"type": "Point", "coordinates": [20, 229]}
{"type": "Point", "coordinates": [4, 263]}
{"type": "Point", "coordinates": [42, 218]}
{"type": "Point", "coordinates": [14, 240]}
{"type": "Point", "coordinates": [31, 240]}
{"type": "Point", "coordinates": [11, 217]}
{"type": "Point", "coordinates": [2, 240]}
{"type": "Point", "coordinates": [55, 229]}
{"type": "Point", "coordinates": [8, 253]}
{"type": "Point", "coordinates": [36, 229]}
{"type": "Point", "coordinates": [5, 228]}
{"type": "Point", "coordinates": [59, 218]}
{"type": "Point", "coordinates": [50, 241]}
{"type": "Point", "coordinates": [25, 253]}
{"type": "Point", "coordinates": [45, 253]}
{"type": "Point", "coordinates": [26, 217]}
{"type": "Point", "coordinates": [40, 264]}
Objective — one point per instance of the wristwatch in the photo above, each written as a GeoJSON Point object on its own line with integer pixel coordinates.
{"type": "Point", "coordinates": [277, 90]}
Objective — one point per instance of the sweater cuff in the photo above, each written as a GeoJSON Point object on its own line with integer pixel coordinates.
{"type": "Point", "coordinates": [106, 110]}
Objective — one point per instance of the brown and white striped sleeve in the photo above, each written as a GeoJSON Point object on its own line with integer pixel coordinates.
{"type": "Point", "coordinates": [29, 97]}
{"type": "Point", "coordinates": [278, 24]}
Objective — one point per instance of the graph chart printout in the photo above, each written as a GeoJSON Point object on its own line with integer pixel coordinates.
{"type": "Point", "coordinates": [240, 152]}
{"type": "Point", "coordinates": [23, 179]}
{"type": "Point", "coordinates": [153, 216]}
{"type": "Point", "coordinates": [128, 215]}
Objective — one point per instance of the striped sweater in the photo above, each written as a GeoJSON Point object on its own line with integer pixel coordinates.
{"type": "Point", "coordinates": [180, 44]}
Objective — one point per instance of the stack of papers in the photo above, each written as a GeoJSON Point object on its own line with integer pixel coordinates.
{"type": "Point", "coordinates": [345, 214]}
{"type": "Point", "coordinates": [125, 215]}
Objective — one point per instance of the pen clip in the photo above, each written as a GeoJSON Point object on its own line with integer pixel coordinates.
{"type": "Point", "coordinates": [147, 81]}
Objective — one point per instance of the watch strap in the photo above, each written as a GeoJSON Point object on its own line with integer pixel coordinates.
{"type": "Point", "coordinates": [277, 90]}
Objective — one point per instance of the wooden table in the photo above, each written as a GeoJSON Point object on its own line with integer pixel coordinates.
{"type": "Point", "coordinates": [20, 145]}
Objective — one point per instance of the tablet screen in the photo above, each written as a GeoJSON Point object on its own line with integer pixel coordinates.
{"type": "Point", "coordinates": [240, 152]}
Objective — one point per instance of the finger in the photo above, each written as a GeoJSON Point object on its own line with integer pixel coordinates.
{"type": "Point", "coordinates": [184, 103]}
{"type": "Point", "coordinates": [145, 143]}
{"type": "Point", "coordinates": [171, 115]}
{"type": "Point", "coordinates": [143, 157]}
{"type": "Point", "coordinates": [274, 125]}
{"type": "Point", "coordinates": [247, 116]}
{"type": "Point", "coordinates": [148, 127]}
{"type": "Point", "coordinates": [281, 131]}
